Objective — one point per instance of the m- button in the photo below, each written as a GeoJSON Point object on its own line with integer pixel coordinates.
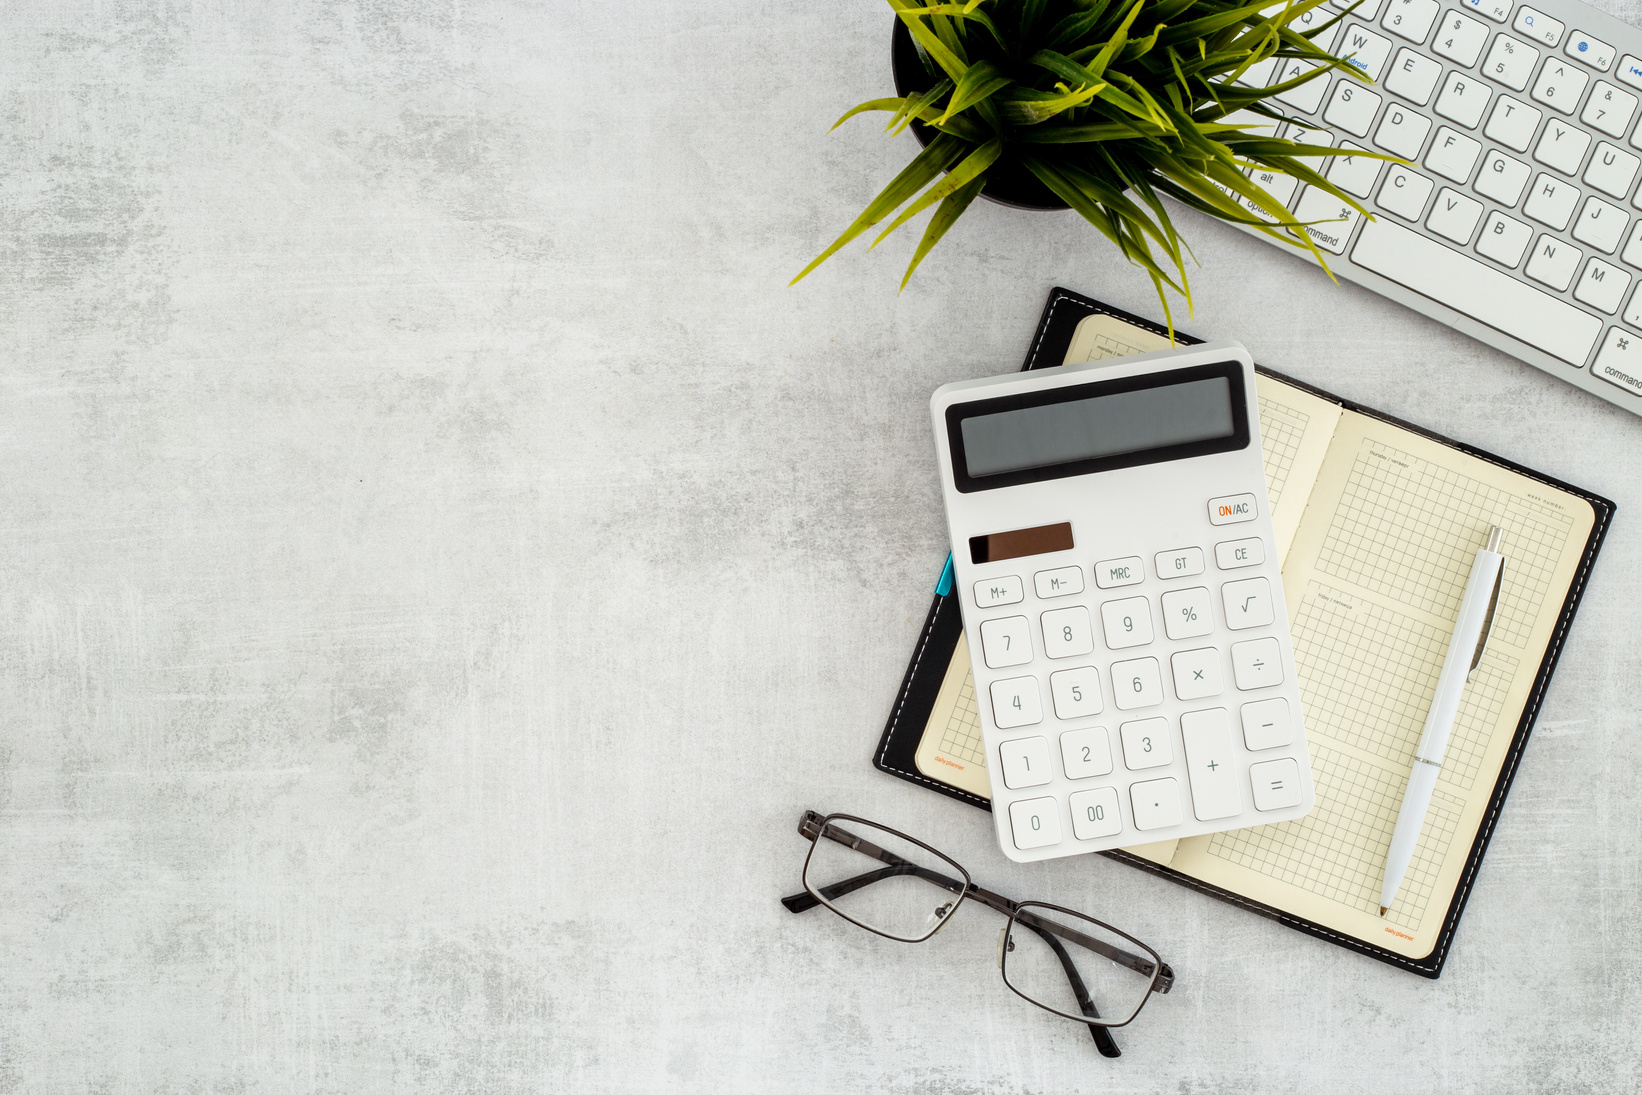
{"type": "Point", "coordinates": [1231, 509]}
{"type": "Point", "coordinates": [1058, 583]}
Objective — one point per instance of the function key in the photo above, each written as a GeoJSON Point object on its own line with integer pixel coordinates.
{"type": "Point", "coordinates": [1582, 47]}
{"type": "Point", "coordinates": [1086, 752]}
{"type": "Point", "coordinates": [1179, 563]}
{"type": "Point", "coordinates": [1156, 803]}
{"type": "Point", "coordinates": [1120, 572]}
{"type": "Point", "coordinates": [1095, 813]}
{"type": "Point", "coordinates": [1276, 784]}
{"type": "Point", "coordinates": [1025, 762]}
{"type": "Point", "coordinates": [1539, 26]}
{"type": "Point", "coordinates": [1058, 583]}
{"type": "Point", "coordinates": [1232, 509]}
{"type": "Point", "coordinates": [1497, 10]}
{"type": "Point", "coordinates": [1035, 823]}
{"type": "Point", "coordinates": [1630, 70]}
{"type": "Point", "coordinates": [991, 592]}
{"type": "Point", "coordinates": [1006, 642]}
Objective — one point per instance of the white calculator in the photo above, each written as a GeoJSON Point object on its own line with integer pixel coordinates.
{"type": "Point", "coordinates": [1113, 554]}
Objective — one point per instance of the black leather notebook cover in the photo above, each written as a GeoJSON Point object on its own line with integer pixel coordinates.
{"type": "Point", "coordinates": [939, 638]}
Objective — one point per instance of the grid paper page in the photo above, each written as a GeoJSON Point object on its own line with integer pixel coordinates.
{"type": "Point", "coordinates": [961, 737]}
{"type": "Point", "coordinates": [1281, 428]}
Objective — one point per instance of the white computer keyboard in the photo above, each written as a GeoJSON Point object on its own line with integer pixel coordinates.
{"type": "Point", "coordinates": [1518, 222]}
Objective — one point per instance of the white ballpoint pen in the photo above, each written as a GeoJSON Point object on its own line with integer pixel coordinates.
{"type": "Point", "coordinates": [1465, 647]}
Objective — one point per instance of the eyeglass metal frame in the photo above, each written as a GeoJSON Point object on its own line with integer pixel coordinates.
{"type": "Point", "coordinates": [1147, 962]}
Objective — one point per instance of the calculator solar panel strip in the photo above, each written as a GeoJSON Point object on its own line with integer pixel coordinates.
{"type": "Point", "coordinates": [1520, 221]}
{"type": "Point", "coordinates": [1117, 571]}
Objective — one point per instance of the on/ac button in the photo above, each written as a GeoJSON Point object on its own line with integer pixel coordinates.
{"type": "Point", "coordinates": [1231, 509]}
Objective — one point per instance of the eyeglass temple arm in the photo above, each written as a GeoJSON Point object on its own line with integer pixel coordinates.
{"type": "Point", "coordinates": [1101, 1035]}
{"type": "Point", "coordinates": [801, 902]}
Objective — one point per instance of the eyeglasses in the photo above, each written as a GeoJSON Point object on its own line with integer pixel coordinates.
{"type": "Point", "coordinates": [1062, 961]}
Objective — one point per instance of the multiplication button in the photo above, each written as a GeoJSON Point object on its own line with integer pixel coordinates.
{"type": "Point", "coordinates": [1035, 823]}
{"type": "Point", "coordinates": [1257, 663]}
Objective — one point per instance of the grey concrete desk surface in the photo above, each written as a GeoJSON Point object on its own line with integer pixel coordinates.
{"type": "Point", "coordinates": [443, 558]}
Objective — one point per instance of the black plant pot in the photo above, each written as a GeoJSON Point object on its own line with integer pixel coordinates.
{"type": "Point", "coordinates": [1007, 183]}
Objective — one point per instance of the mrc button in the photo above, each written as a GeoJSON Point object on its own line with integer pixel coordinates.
{"type": "Point", "coordinates": [1231, 509]}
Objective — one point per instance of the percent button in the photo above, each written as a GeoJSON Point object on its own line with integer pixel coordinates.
{"type": "Point", "coordinates": [1187, 613]}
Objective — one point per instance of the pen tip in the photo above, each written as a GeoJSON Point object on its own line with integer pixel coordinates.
{"type": "Point", "coordinates": [1382, 910]}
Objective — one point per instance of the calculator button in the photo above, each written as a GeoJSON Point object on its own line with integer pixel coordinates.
{"type": "Point", "coordinates": [1266, 724]}
{"type": "Point", "coordinates": [1058, 583]}
{"type": "Point", "coordinates": [1257, 663]}
{"type": "Point", "coordinates": [1276, 784]}
{"type": "Point", "coordinates": [1016, 702]}
{"type": "Point", "coordinates": [1146, 744]}
{"type": "Point", "coordinates": [1248, 603]}
{"type": "Point", "coordinates": [1187, 613]}
{"type": "Point", "coordinates": [1197, 674]}
{"type": "Point", "coordinates": [1120, 572]}
{"type": "Point", "coordinates": [1026, 762]}
{"type": "Point", "coordinates": [1240, 553]}
{"type": "Point", "coordinates": [1180, 563]}
{"type": "Point", "coordinates": [992, 592]}
{"type": "Point", "coordinates": [1035, 823]}
{"type": "Point", "coordinates": [1211, 763]}
{"type": "Point", "coordinates": [1007, 641]}
{"type": "Point", "coordinates": [1127, 622]}
{"type": "Point", "coordinates": [1095, 813]}
{"type": "Point", "coordinates": [1156, 803]}
{"type": "Point", "coordinates": [1232, 509]}
{"type": "Point", "coordinates": [1066, 632]}
{"type": "Point", "coordinates": [1136, 684]}
{"type": "Point", "coordinates": [1086, 752]}
{"type": "Point", "coordinates": [1076, 692]}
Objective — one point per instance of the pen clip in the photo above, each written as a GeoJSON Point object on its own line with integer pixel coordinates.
{"type": "Point", "coordinates": [1493, 603]}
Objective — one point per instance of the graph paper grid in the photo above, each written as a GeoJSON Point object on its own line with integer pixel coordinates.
{"type": "Point", "coordinates": [1105, 346]}
{"type": "Point", "coordinates": [961, 737]}
{"type": "Point", "coordinates": [1367, 675]}
{"type": "Point", "coordinates": [1338, 850]}
{"type": "Point", "coordinates": [1409, 529]}
{"type": "Point", "coordinates": [1281, 429]}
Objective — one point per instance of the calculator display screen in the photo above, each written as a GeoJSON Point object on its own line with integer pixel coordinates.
{"type": "Point", "coordinates": [1076, 429]}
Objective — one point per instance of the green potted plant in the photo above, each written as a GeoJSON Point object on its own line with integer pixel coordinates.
{"type": "Point", "coordinates": [1102, 106]}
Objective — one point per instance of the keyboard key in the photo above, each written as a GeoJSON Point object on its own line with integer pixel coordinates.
{"type": "Point", "coordinates": [1276, 784]}
{"type": "Point", "coordinates": [1402, 131]}
{"type": "Point", "coordinates": [1560, 85]}
{"type": "Point", "coordinates": [1006, 642]}
{"type": "Point", "coordinates": [1248, 603]}
{"type": "Point", "coordinates": [1233, 509]}
{"type": "Point", "coordinates": [1187, 613]}
{"type": "Point", "coordinates": [1454, 216]}
{"type": "Point", "coordinates": [1630, 70]}
{"type": "Point", "coordinates": [1308, 95]}
{"type": "Point", "coordinates": [1602, 286]}
{"type": "Point", "coordinates": [1413, 76]}
{"type": "Point", "coordinates": [1257, 664]}
{"type": "Point", "coordinates": [1410, 19]}
{"type": "Point", "coordinates": [1551, 201]}
{"type": "Point", "coordinates": [1035, 823]}
{"type": "Point", "coordinates": [991, 592]}
{"type": "Point", "coordinates": [1601, 225]}
{"type": "Point", "coordinates": [1197, 674]}
{"type": "Point", "coordinates": [1068, 634]}
{"type": "Point", "coordinates": [1354, 174]}
{"type": "Point", "coordinates": [1502, 178]}
{"type": "Point", "coordinates": [1582, 47]}
{"type": "Point", "coordinates": [1620, 360]}
{"type": "Point", "coordinates": [1136, 684]}
{"type": "Point", "coordinates": [1352, 108]}
{"type": "Point", "coordinates": [1258, 74]}
{"type": "Point", "coordinates": [1513, 124]}
{"type": "Point", "coordinates": [1255, 125]}
{"type": "Point", "coordinates": [1633, 314]}
{"type": "Point", "coordinates": [1460, 38]}
{"type": "Point", "coordinates": [1180, 563]}
{"type": "Point", "coordinates": [1120, 572]}
{"type": "Point", "coordinates": [1463, 100]}
{"type": "Point", "coordinates": [1058, 583]}
{"type": "Point", "coordinates": [1609, 109]}
{"type": "Point", "coordinates": [1127, 622]}
{"type": "Point", "coordinates": [1076, 692]}
{"type": "Point", "coordinates": [1086, 752]}
{"type": "Point", "coordinates": [1553, 262]}
{"type": "Point", "coordinates": [1301, 134]}
{"type": "Point", "coordinates": [1404, 193]}
{"type": "Point", "coordinates": [1452, 154]}
{"type": "Point", "coordinates": [1267, 724]}
{"type": "Point", "coordinates": [1364, 50]}
{"type": "Point", "coordinates": [1025, 762]}
{"type": "Point", "coordinates": [1612, 170]}
{"type": "Point", "coordinates": [1095, 813]}
{"type": "Point", "coordinates": [1497, 10]}
{"type": "Point", "coordinates": [1538, 26]}
{"type": "Point", "coordinates": [1156, 803]}
{"type": "Point", "coordinates": [1211, 763]}
{"type": "Point", "coordinates": [1562, 146]}
{"type": "Point", "coordinates": [1336, 218]}
{"type": "Point", "coordinates": [1310, 21]}
{"type": "Point", "coordinates": [1510, 62]}
{"type": "Point", "coordinates": [1016, 702]}
{"type": "Point", "coordinates": [1504, 240]}
{"type": "Point", "coordinates": [1240, 553]}
{"type": "Point", "coordinates": [1279, 186]}
{"type": "Point", "coordinates": [1146, 744]}
{"type": "Point", "coordinates": [1633, 249]}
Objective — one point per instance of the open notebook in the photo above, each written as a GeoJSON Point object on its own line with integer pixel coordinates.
{"type": "Point", "coordinates": [1377, 523]}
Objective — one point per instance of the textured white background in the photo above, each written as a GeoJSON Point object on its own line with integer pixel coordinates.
{"type": "Point", "coordinates": [442, 558]}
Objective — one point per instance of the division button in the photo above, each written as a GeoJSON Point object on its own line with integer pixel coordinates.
{"type": "Point", "coordinates": [1095, 813]}
{"type": "Point", "coordinates": [1257, 663]}
{"type": "Point", "coordinates": [1276, 784]}
{"type": "Point", "coordinates": [1156, 803]}
{"type": "Point", "coordinates": [1232, 509]}
{"type": "Point", "coordinates": [1035, 823]}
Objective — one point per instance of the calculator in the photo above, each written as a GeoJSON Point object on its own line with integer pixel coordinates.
{"type": "Point", "coordinates": [1114, 558]}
